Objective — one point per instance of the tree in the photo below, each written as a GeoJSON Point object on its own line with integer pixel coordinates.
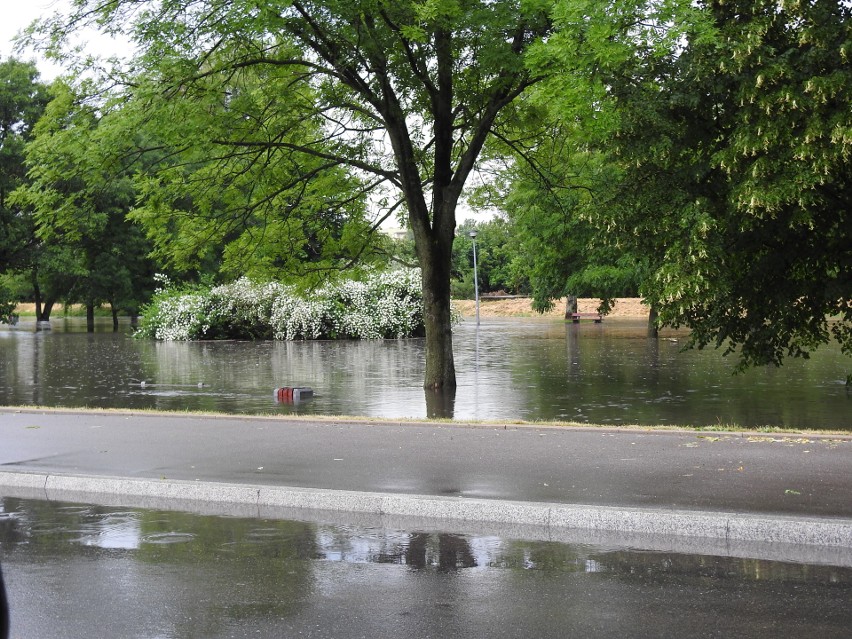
{"type": "Point", "coordinates": [550, 200]}
{"type": "Point", "coordinates": [78, 204]}
{"type": "Point", "coordinates": [736, 151]}
{"type": "Point", "coordinates": [728, 122]}
{"type": "Point", "coordinates": [407, 94]}
{"type": "Point", "coordinates": [496, 250]}
{"type": "Point", "coordinates": [22, 99]}
{"type": "Point", "coordinates": [561, 172]}
{"type": "Point", "coordinates": [221, 191]}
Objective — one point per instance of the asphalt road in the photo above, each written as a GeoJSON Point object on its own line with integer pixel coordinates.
{"type": "Point", "coordinates": [745, 473]}
{"type": "Point", "coordinates": [724, 590]}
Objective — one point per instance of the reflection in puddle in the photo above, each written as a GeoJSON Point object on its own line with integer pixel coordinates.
{"type": "Point", "coordinates": [42, 527]}
{"type": "Point", "coordinates": [92, 571]}
{"type": "Point", "coordinates": [111, 530]}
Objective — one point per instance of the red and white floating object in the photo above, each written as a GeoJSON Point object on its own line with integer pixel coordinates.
{"type": "Point", "coordinates": [293, 394]}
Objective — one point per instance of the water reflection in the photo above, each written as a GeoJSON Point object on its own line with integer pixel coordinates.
{"type": "Point", "coordinates": [440, 403]}
{"type": "Point", "coordinates": [170, 574]}
{"type": "Point", "coordinates": [507, 369]}
{"type": "Point", "coordinates": [41, 528]}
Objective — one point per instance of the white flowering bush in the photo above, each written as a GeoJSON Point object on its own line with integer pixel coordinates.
{"type": "Point", "coordinates": [384, 305]}
{"type": "Point", "coordinates": [241, 310]}
{"type": "Point", "coordinates": [173, 314]}
{"type": "Point", "coordinates": [297, 318]}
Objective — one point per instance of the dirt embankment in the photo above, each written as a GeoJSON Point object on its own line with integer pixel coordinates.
{"type": "Point", "coordinates": [25, 309]}
{"type": "Point", "coordinates": [28, 308]}
{"type": "Point", "coordinates": [515, 307]}
{"type": "Point", "coordinates": [522, 307]}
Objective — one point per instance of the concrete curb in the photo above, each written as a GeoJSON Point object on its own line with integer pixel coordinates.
{"type": "Point", "coordinates": [729, 527]}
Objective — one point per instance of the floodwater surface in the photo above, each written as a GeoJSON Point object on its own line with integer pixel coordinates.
{"type": "Point", "coordinates": [77, 570]}
{"type": "Point", "coordinates": [508, 369]}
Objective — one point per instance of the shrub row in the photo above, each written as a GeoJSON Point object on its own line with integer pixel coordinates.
{"type": "Point", "coordinates": [384, 305]}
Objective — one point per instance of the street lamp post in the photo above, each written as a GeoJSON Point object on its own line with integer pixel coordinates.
{"type": "Point", "coordinates": [475, 276]}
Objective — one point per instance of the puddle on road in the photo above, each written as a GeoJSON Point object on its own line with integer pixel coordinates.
{"type": "Point", "coordinates": [39, 529]}
{"type": "Point", "coordinates": [187, 575]}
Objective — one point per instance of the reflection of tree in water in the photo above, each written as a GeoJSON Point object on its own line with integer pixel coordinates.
{"type": "Point", "coordinates": [647, 567]}
{"type": "Point", "coordinates": [419, 550]}
{"type": "Point", "coordinates": [259, 569]}
{"type": "Point", "coordinates": [440, 404]}
{"type": "Point", "coordinates": [546, 556]}
{"type": "Point", "coordinates": [642, 566]}
{"type": "Point", "coordinates": [453, 552]}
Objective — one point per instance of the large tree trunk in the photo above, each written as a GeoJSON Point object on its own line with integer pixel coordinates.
{"type": "Point", "coordinates": [37, 296]}
{"type": "Point", "coordinates": [433, 241]}
{"type": "Point", "coordinates": [435, 269]}
{"type": "Point", "coordinates": [90, 317]}
{"type": "Point", "coordinates": [652, 323]}
{"type": "Point", "coordinates": [570, 306]}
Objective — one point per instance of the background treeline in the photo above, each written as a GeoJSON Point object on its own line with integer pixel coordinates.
{"type": "Point", "coordinates": [698, 154]}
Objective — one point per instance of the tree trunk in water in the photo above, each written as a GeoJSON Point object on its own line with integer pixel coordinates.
{"type": "Point", "coordinates": [440, 403]}
{"type": "Point", "coordinates": [652, 323]}
{"type": "Point", "coordinates": [114, 310]}
{"type": "Point", "coordinates": [570, 306]}
{"type": "Point", "coordinates": [90, 317]}
{"type": "Point", "coordinates": [43, 308]}
{"type": "Point", "coordinates": [37, 295]}
{"type": "Point", "coordinates": [440, 367]}
{"type": "Point", "coordinates": [46, 310]}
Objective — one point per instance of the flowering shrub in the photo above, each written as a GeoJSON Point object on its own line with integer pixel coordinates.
{"type": "Point", "coordinates": [173, 314]}
{"type": "Point", "coordinates": [384, 305]}
{"type": "Point", "coordinates": [241, 310]}
{"type": "Point", "coordinates": [296, 318]}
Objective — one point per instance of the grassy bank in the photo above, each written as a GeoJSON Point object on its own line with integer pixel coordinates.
{"type": "Point", "coordinates": [715, 429]}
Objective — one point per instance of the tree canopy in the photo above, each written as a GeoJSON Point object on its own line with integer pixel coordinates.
{"type": "Point", "coordinates": [402, 95]}
{"type": "Point", "coordinates": [730, 124]}
{"type": "Point", "coordinates": [22, 99]}
{"type": "Point", "coordinates": [738, 150]}
{"type": "Point", "coordinates": [550, 201]}
{"type": "Point", "coordinates": [78, 203]}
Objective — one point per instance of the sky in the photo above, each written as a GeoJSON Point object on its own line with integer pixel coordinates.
{"type": "Point", "coordinates": [16, 15]}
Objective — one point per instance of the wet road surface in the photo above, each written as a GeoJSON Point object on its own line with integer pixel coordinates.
{"type": "Point", "coordinates": [744, 472]}
{"type": "Point", "coordinates": [91, 571]}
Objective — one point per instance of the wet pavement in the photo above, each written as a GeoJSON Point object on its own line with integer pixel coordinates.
{"type": "Point", "coordinates": [77, 570]}
{"type": "Point", "coordinates": [90, 571]}
{"type": "Point", "coordinates": [787, 475]}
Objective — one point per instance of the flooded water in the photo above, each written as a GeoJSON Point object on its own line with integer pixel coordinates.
{"type": "Point", "coordinates": [508, 369]}
{"type": "Point", "coordinates": [77, 570]}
